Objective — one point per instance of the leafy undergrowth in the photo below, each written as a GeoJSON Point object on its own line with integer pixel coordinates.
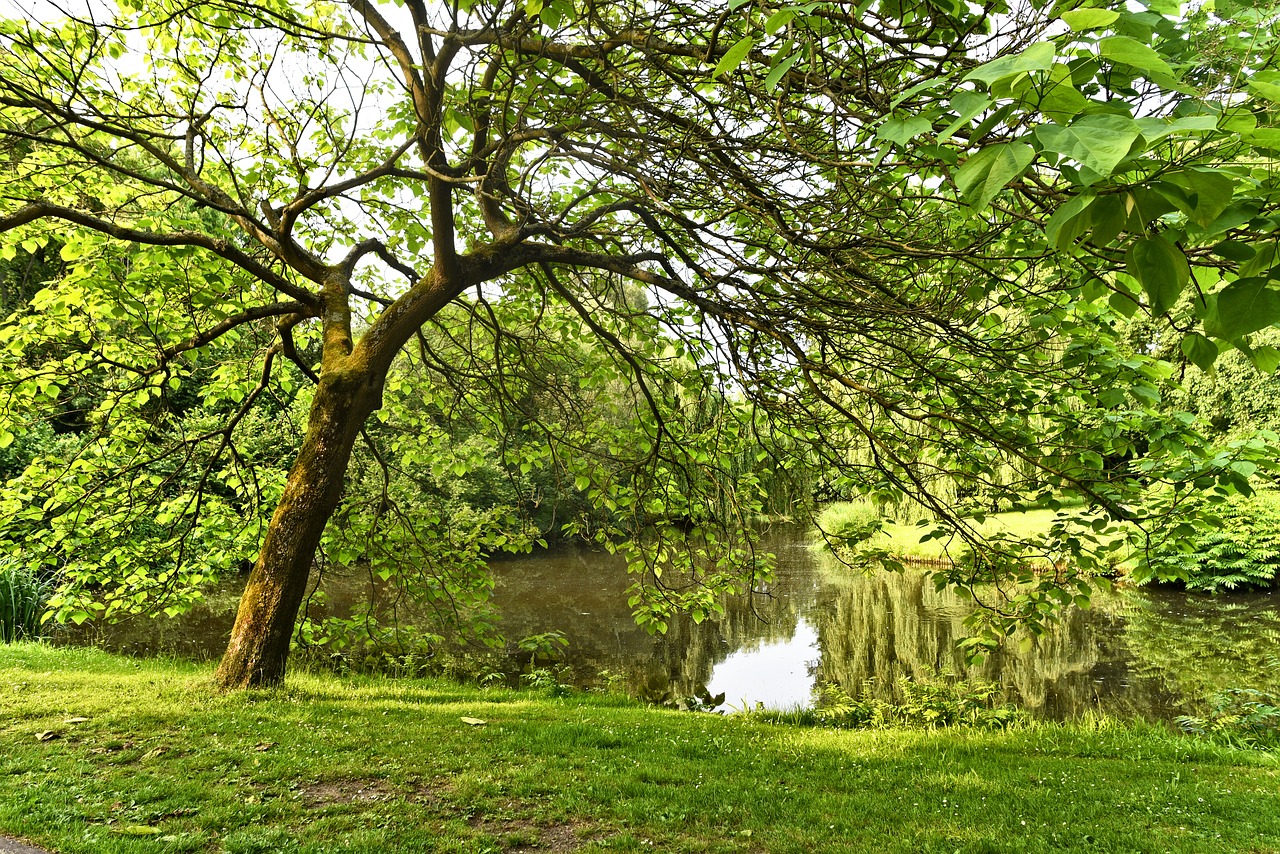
{"type": "Point", "coordinates": [106, 754]}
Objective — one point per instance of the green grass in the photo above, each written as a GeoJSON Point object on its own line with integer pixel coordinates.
{"type": "Point", "coordinates": [905, 539]}
{"type": "Point", "coordinates": [148, 758]}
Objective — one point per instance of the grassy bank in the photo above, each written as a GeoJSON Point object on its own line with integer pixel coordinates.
{"type": "Point", "coordinates": [104, 754]}
{"type": "Point", "coordinates": [854, 520]}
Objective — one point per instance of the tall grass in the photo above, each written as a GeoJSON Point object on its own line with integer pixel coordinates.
{"type": "Point", "coordinates": [22, 600]}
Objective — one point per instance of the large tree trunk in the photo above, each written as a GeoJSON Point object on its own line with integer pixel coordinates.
{"type": "Point", "coordinates": [259, 646]}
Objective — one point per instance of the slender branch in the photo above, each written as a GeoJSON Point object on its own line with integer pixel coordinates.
{"type": "Point", "coordinates": [223, 248]}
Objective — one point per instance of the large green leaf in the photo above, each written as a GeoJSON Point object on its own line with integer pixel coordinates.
{"type": "Point", "coordinates": [1200, 350]}
{"type": "Point", "coordinates": [1161, 269]}
{"type": "Point", "coordinates": [733, 56]}
{"type": "Point", "coordinates": [1155, 129]}
{"type": "Point", "coordinates": [1098, 143]}
{"type": "Point", "coordinates": [1061, 101]}
{"type": "Point", "coordinates": [967, 106]}
{"type": "Point", "coordinates": [1068, 222]}
{"type": "Point", "coordinates": [902, 131]}
{"type": "Point", "coordinates": [1202, 194]}
{"type": "Point", "coordinates": [1081, 20]}
{"type": "Point", "coordinates": [1135, 54]}
{"type": "Point", "coordinates": [989, 171]}
{"type": "Point", "coordinates": [1244, 306]}
{"type": "Point", "coordinates": [1038, 57]}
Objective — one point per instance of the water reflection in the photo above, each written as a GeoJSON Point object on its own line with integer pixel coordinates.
{"type": "Point", "coordinates": [1133, 654]}
{"type": "Point", "coordinates": [773, 674]}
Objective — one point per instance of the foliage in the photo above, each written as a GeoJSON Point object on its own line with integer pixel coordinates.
{"type": "Point", "coordinates": [1241, 717]}
{"type": "Point", "coordinates": [942, 701]}
{"type": "Point", "coordinates": [895, 245]}
{"type": "Point", "coordinates": [1239, 547]}
{"type": "Point", "coordinates": [23, 600]}
{"type": "Point", "coordinates": [1193, 647]}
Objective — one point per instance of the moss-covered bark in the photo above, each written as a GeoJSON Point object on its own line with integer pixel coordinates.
{"type": "Point", "coordinates": [259, 647]}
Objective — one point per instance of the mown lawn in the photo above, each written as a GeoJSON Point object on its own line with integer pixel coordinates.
{"type": "Point", "coordinates": [145, 756]}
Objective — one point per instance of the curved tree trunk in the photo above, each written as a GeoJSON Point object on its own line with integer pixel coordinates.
{"type": "Point", "coordinates": [259, 645]}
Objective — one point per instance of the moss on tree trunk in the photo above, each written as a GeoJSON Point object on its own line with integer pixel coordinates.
{"type": "Point", "coordinates": [259, 647]}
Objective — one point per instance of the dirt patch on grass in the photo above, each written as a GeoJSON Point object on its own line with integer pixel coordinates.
{"type": "Point", "coordinates": [330, 792]}
{"type": "Point", "coordinates": [525, 837]}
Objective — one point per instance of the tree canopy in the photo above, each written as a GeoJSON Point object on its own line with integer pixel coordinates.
{"type": "Point", "coordinates": [896, 240]}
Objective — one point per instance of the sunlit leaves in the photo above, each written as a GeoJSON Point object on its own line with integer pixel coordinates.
{"type": "Point", "coordinates": [1135, 54]}
{"type": "Point", "coordinates": [1099, 143]}
{"type": "Point", "coordinates": [1243, 306]}
{"type": "Point", "coordinates": [734, 56]}
{"type": "Point", "coordinates": [1038, 57]}
{"type": "Point", "coordinates": [1082, 20]}
{"type": "Point", "coordinates": [1200, 350]}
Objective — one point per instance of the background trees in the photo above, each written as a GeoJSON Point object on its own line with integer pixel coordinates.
{"type": "Point", "coordinates": [898, 233]}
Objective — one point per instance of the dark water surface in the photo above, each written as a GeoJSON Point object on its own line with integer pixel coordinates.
{"type": "Point", "coordinates": [1134, 654]}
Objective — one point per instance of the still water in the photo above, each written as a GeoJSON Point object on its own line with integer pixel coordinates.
{"type": "Point", "coordinates": [1134, 654]}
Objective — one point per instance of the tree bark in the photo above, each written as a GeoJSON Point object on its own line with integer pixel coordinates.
{"type": "Point", "coordinates": [259, 647]}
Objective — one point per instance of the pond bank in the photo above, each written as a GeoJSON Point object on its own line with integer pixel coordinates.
{"type": "Point", "coordinates": [105, 754]}
{"type": "Point", "coordinates": [1144, 655]}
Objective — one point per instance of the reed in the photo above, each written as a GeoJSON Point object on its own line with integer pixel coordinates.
{"type": "Point", "coordinates": [22, 601]}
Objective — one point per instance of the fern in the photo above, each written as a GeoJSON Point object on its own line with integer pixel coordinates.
{"type": "Point", "coordinates": [1243, 551]}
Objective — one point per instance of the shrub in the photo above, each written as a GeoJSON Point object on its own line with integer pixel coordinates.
{"type": "Point", "coordinates": [1242, 551]}
{"type": "Point", "coordinates": [1242, 717]}
{"type": "Point", "coordinates": [929, 703]}
{"type": "Point", "coordinates": [23, 598]}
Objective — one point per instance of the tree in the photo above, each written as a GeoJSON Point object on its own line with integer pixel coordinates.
{"type": "Point", "coordinates": [894, 229]}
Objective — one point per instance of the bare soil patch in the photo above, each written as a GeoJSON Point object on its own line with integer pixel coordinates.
{"type": "Point", "coordinates": [330, 792]}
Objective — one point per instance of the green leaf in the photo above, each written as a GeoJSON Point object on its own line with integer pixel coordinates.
{"type": "Point", "coordinates": [1134, 54]}
{"type": "Point", "coordinates": [1061, 102]}
{"type": "Point", "coordinates": [967, 106]}
{"type": "Point", "coordinates": [1244, 306]}
{"type": "Point", "coordinates": [1200, 350]}
{"type": "Point", "coordinates": [1161, 269]}
{"type": "Point", "coordinates": [1068, 222]}
{"type": "Point", "coordinates": [1107, 219]}
{"type": "Point", "coordinates": [780, 70]}
{"type": "Point", "coordinates": [1206, 194]}
{"type": "Point", "coordinates": [1156, 129]}
{"type": "Point", "coordinates": [734, 55]}
{"type": "Point", "coordinates": [1081, 20]}
{"type": "Point", "coordinates": [778, 20]}
{"type": "Point", "coordinates": [1265, 358]}
{"type": "Point", "coordinates": [1098, 143]}
{"type": "Point", "coordinates": [1270, 91]}
{"type": "Point", "coordinates": [1038, 57]}
{"type": "Point", "coordinates": [902, 131]}
{"type": "Point", "coordinates": [1262, 138]}
{"type": "Point", "coordinates": [989, 171]}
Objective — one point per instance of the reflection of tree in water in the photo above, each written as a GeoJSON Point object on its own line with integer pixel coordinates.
{"type": "Point", "coordinates": [887, 626]}
{"type": "Point", "coordinates": [1194, 645]}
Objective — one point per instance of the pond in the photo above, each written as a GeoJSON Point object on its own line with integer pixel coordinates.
{"type": "Point", "coordinates": [1134, 654]}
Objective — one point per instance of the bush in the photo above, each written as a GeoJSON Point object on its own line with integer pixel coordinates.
{"type": "Point", "coordinates": [929, 703]}
{"type": "Point", "coordinates": [1242, 717]}
{"type": "Point", "coordinates": [1242, 551]}
{"type": "Point", "coordinates": [23, 598]}
{"type": "Point", "coordinates": [848, 523]}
